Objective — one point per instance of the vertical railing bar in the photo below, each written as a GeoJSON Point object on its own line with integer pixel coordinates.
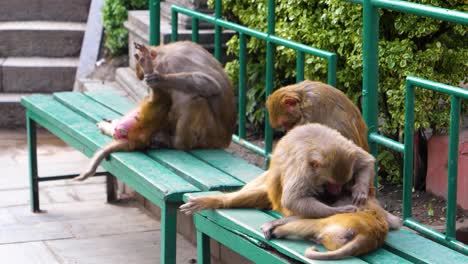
{"type": "Point", "coordinates": [195, 35]}
{"type": "Point", "coordinates": [217, 40]}
{"type": "Point", "coordinates": [270, 62]}
{"type": "Point", "coordinates": [332, 71]}
{"type": "Point", "coordinates": [155, 22]}
{"type": "Point", "coordinates": [242, 84]}
{"type": "Point", "coordinates": [452, 166]}
{"type": "Point", "coordinates": [174, 25]}
{"type": "Point", "coordinates": [299, 66]}
{"type": "Point", "coordinates": [370, 80]}
{"type": "Point", "coordinates": [408, 151]}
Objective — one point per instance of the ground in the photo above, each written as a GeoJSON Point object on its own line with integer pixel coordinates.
{"type": "Point", "coordinates": [77, 226]}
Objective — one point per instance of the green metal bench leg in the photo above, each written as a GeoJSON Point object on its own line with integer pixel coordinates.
{"type": "Point", "coordinates": [111, 183]}
{"type": "Point", "coordinates": [32, 153]}
{"type": "Point", "coordinates": [168, 233]}
{"type": "Point", "coordinates": [203, 248]}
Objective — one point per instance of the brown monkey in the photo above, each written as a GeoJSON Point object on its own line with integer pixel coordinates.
{"type": "Point", "coordinates": [134, 130]}
{"type": "Point", "coordinates": [194, 105]}
{"type": "Point", "coordinates": [316, 102]}
{"type": "Point", "coordinates": [308, 162]}
{"type": "Point", "coordinates": [345, 235]}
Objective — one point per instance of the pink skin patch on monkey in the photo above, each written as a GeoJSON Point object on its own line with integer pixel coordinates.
{"type": "Point", "coordinates": [334, 189]}
{"type": "Point", "coordinates": [123, 127]}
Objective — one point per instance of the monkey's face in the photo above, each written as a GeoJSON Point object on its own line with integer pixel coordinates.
{"type": "Point", "coordinates": [284, 111]}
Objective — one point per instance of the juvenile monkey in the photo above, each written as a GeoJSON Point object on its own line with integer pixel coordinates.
{"type": "Point", "coordinates": [191, 103]}
{"type": "Point", "coordinates": [310, 161]}
{"type": "Point", "coordinates": [134, 130]}
{"type": "Point", "coordinates": [345, 235]}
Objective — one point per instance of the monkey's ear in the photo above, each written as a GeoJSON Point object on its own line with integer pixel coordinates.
{"type": "Point", "coordinates": [315, 160]}
{"type": "Point", "coordinates": [153, 54]}
{"type": "Point", "coordinates": [290, 102]}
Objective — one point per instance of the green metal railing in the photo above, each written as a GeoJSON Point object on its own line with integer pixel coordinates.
{"type": "Point", "coordinates": [369, 90]}
{"type": "Point", "coordinates": [370, 110]}
{"type": "Point", "coordinates": [271, 41]}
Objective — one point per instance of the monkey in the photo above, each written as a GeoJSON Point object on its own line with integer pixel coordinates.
{"type": "Point", "coordinates": [191, 103]}
{"type": "Point", "coordinates": [317, 102]}
{"type": "Point", "coordinates": [134, 130]}
{"type": "Point", "coordinates": [345, 235]}
{"type": "Point", "coordinates": [309, 162]}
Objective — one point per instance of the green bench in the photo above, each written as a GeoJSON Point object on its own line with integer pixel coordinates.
{"type": "Point", "coordinates": [162, 176]}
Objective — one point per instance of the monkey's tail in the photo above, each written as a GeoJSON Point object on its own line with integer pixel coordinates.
{"type": "Point", "coordinates": [114, 146]}
{"type": "Point", "coordinates": [352, 248]}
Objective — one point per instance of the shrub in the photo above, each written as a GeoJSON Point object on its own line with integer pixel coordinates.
{"type": "Point", "coordinates": [409, 45]}
{"type": "Point", "coordinates": [114, 15]}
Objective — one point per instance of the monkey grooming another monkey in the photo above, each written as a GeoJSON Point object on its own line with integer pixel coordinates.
{"type": "Point", "coordinates": [309, 162]}
{"type": "Point", "coordinates": [191, 103]}
{"type": "Point", "coordinates": [345, 235]}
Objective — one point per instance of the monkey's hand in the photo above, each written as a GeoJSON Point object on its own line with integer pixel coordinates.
{"type": "Point", "coordinates": [346, 209]}
{"type": "Point", "coordinates": [269, 228]}
{"type": "Point", "coordinates": [360, 194]}
{"type": "Point", "coordinates": [153, 79]}
{"type": "Point", "coordinates": [200, 203]}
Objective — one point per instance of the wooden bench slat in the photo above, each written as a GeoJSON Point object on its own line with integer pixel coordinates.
{"type": "Point", "coordinates": [419, 249]}
{"type": "Point", "coordinates": [192, 169]}
{"type": "Point", "coordinates": [152, 176]}
{"type": "Point", "coordinates": [228, 163]}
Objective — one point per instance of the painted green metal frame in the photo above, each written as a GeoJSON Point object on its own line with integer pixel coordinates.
{"type": "Point", "coordinates": [371, 110]}
{"type": "Point", "coordinates": [271, 41]}
{"type": "Point", "coordinates": [35, 179]}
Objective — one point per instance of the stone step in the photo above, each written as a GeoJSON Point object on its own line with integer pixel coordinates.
{"type": "Point", "coordinates": [41, 38]}
{"type": "Point", "coordinates": [128, 81]}
{"type": "Point", "coordinates": [56, 10]}
{"type": "Point", "coordinates": [13, 114]}
{"type": "Point", "coordinates": [138, 27]}
{"type": "Point", "coordinates": [91, 85]}
{"type": "Point", "coordinates": [37, 74]}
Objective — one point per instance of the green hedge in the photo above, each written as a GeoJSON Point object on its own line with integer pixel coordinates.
{"type": "Point", "coordinates": [409, 45]}
{"type": "Point", "coordinates": [114, 15]}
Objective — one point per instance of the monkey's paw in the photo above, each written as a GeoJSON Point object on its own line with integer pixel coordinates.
{"type": "Point", "coordinates": [153, 79]}
{"type": "Point", "coordinates": [360, 197]}
{"type": "Point", "coordinates": [193, 205]}
{"type": "Point", "coordinates": [347, 209]}
{"type": "Point", "coordinates": [268, 228]}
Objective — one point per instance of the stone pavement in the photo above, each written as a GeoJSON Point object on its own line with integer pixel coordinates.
{"type": "Point", "coordinates": [77, 225]}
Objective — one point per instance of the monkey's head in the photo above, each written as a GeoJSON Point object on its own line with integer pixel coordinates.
{"type": "Point", "coordinates": [284, 109]}
{"type": "Point", "coordinates": [334, 167]}
{"type": "Point", "coordinates": [144, 60]}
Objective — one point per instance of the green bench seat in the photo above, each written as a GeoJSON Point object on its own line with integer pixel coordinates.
{"type": "Point", "coordinates": [162, 176]}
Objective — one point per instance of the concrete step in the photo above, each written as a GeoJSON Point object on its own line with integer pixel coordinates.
{"type": "Point", "coordinates": [41, 38]}
{"type": "Point", "coordinates": [138, 27]}
{"type": "Point", "coordinates": [56, 10]}
{"type": "Point", "coordinates": [86, 85]}
{"type": "Point", "coordinates": [128, 81]}
{"type": "Point", "coordinates": [37, 74]}
{"type": "Point", "coordinates": [13, 114]}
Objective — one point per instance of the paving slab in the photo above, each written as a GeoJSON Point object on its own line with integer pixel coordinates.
{"type": "Point", "coordinates": [139, 248]}
{"type": "Point", "coordinates": [32, 252]}
{"type": "Point", "coordinates": [15, 233]}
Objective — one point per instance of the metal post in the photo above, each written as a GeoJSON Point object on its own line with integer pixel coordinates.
{"type": "Point", "coordinates": [195, 29]}
{"type": "Point", "coordinates": [218, 30]}
{"type": "Point", "coordinates": [174, 25]}
{"type": "Point", "coordinates": [370, 53]}
{"type": "Point", "coordinates": [242, 84]}
{"type": "Point", "coordinates": [452, 167]}
{"type": "Point", "coordinates": [32, 153]}
{"type": "Point", "coordinates": [155, 22]}
{"type": "Point", "coordinates": [203, 248]}
{"type": "Point", "coordinates": [300, 66]}
{"type": "Point", "coordinates": [111, 184]}
{"type": "Point", "coordinates": [168, 233]}
{"type": "Point", "coordinates": [270, 64]}
{"type": "Point", "coordinates": [408, 150]}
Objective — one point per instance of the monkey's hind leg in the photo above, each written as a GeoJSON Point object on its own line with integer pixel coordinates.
{"type": "Point", "coordinates": [252, 195]}
{"type": "Point", "coordinates": [107, 126]}
{"type": "Point", "coordinates": [114, 146]}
